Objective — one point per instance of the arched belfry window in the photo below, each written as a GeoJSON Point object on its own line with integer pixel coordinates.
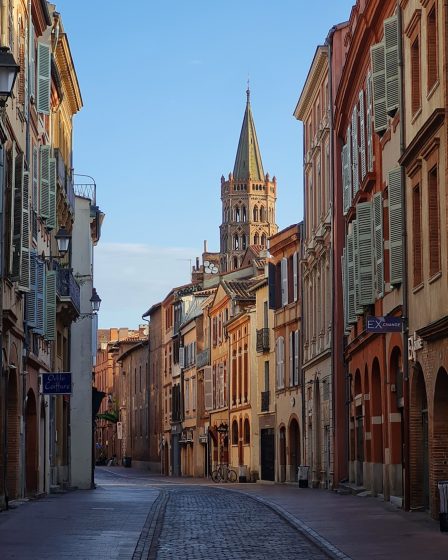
{"type": "Point", "coordinates": [262, 214]}
{"type": "Point", "coordinates": [256, 214]}
{"type": "Point", "coordinates": [244, 218]}
{"type": "Point", "coordinates": [244, 241]}
{"type": "Point", "coordinates": [256, 239]}
{"type": "Point", "coordinates": [263, 240]}
{"type": "Point", "coordinates": [237, 213]}
{"type": "Point", "coordinates": [236, 242]}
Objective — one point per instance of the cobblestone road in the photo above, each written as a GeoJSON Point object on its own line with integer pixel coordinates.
{"type": "Point", "coordinates": [205, 523]}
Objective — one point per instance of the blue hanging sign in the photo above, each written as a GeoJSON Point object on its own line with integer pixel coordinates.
{"type": "Point", "coordinates": [384, 324]}
{"type": "Point", "coordinates": [57, 383]}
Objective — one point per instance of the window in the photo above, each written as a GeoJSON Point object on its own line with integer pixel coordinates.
{"type": "Point", "coordinates": [280, 362]}
{"type": "Point", "coordinates": [256, 214]}
{"type": "Point", "coordinates": [415, 76]}
{"type": "Point", "coordinates": [266, 376]}
{"type": "Point", "coordinates": [244, 214]}
{"type": "Point", "coordinates": [417, 234]}
{"type": "Point", "coordinates": [433, 221]}
{"type": "Point", "coordinates": [246, 431]}
{"type": "Point", "coordinates": [263, 240]}
{"type": "Point", "coordinates": [431, 47]}
{"type": "Point", "coordinates": [262, 214]}
{"type": "Point", "coordinates": [256, 239]}
{"type": "Point", "coordinates": [234, 432]}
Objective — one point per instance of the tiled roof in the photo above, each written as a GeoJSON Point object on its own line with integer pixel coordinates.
{"type": "Point", "coordinates": [239, 289]}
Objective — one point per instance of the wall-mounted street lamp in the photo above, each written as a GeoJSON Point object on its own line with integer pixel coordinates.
{"type": "Point", "coordinates": [95, 300]}
{"type": "Point", "coordinates": [8, 74]}
{"type": "Point", "coordinates": [63, 240]}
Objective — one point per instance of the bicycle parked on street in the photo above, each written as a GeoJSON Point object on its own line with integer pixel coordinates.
{"type": "Point", "coordinates": [223, 473]}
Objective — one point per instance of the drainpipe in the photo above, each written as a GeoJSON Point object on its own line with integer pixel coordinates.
{"type": "Point", "coordinates": [405, 291]}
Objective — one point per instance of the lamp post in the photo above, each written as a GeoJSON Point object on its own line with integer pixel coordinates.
{"type": "Point", "coordinates": [8, 74]}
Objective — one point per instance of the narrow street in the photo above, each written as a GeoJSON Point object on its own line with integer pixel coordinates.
{"type": "Point", "coordinates": [136, 517]}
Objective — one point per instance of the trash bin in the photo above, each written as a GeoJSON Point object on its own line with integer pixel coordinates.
{"type": "Point", "coordinates": [127, 462]}
{"type": "Point", "coordinates": [443, 514]}
{"type": "Point", "coordinates": [302, 475]}
{"type": "Point", "coordinates": [242, 473]}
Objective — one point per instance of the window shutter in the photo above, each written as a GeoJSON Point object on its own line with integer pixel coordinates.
{"type": "Point", "coordinates": [32, 56]}
{"type": "Point", "coordinates": [359, 310]}
{"type": "Point", "coordinates": [17, 228]}
{"type": "Point", "coordinates": [365, 247]}
{"type": "Point", "coordinates": [50, 305]}
{"type": "Point", "coordinates": [31, 296]}
{"type": "Point", "coordinates": [291, 359]}
{"type": "Point", "coordinates": [369, 123]}
{"type": "Point", "coordinates": [351, 315]}
{"type": "Point", "coordinates": [43, 78]}
{"type": "Point", "coordinates": [345, 183]}
{"type": "Point", "coordinates": [24, 279]}
{"type": "Point", "coordinates": [35, 178]}
{"type": "Point", "coordinates": [362, 135]}
{"type": "Point", "coordinates": [221, 384]}
{"type": "Point", "coordinates": [296, 358]}
{"type": "Point", "coordinates": [344, 287]}
{"type": "Point", "coordinates": [355, 151]}
{"type": "Point", "coordinates": [284, 275]}
{"type": "Point", "coordinates": [182, 357]}
{"type": "Point", "coordinates": [271, 281]}
{"type": "Point", "coordinates": [379, 87]}
{"type": "Point", "coordinates": [215, 330]}
{"type": "Point", "coordinates": [378, 243]}
{"type": "Point", "coordinates": [45, 182]}
{"type": "Point", "coordinates": [51, 222]}
{"type": "Point", "coordinates": [391, 61]}
{"type": "Point", "coordinates": [295, 261]}
{"type": "Point", "coordinates": [349, 166]}
{"type": "Point", "coordinates": [395, 226]}
{"type": "Point", "coordinates": [208, 388]}
{"type": "Point", "coordinates": [40, 294]}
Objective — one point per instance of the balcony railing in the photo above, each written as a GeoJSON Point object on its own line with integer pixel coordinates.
{"type": "Point", "coordinates": [65, 179]}
{"type": "Point", "coordinates": [203, 358]}
{"type": "Point", "coordinates": [265, 401]}
{"type": "Point", "coordinates": [263, 340]}
{"type": "Point", "coordinates": [67, 288]}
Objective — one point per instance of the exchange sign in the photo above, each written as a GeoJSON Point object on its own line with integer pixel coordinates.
{"type": "Point", "coordinates": [384, 324]}
{"type": "Point", "coordinates": [57, 383]}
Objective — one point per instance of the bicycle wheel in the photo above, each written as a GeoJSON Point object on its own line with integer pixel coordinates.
{"type": "Point", "coordinates": [216, 477]}
{"type": "Point", "coordinates": [231, 475]}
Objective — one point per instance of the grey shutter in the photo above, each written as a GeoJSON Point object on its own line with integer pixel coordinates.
{"type": "Point", "coordinates": [351, 315]}
{"type": "Point", "coordinates": [369, 123]}
{"type": "Point", "coordinates": [45, 182]}
{"type": "Point", "coordinates": [378, 243]}
{"type": "Point", "coordinates": [35, 178]}
{"type": "Point", "coordinates": [284, 273]}
{"type": "Point", "coordinates": [362, 135]}
{"type": "Point", "coordinates": [208, 388]}
{"type": "Point", "coordinates": [40, 297]}
{"type": "Point", "coordinates": [379, 87]}
{"type": "Point", "coordinates": [349, 166]}
{"type": "Point", "coordinates": [24, 278]}
{"type": "Point", "coordinates": [51, 222]}
{"type": "Point", "coordinates": [31, 296]}
{"type": "Point", "coordinates": [359, 309]}
{"type": "Point", "coordinates": [296, 358]}
{"type": "Point", "coordinates": [344, 287]}
{"type": "Point", "coordinates": [365, 248]}
{"type": "Point", "coordinates": [291, 359]}
{"type": "Point", "coordinates": [18, 216]}
{"type": "Point", "coordinates": [50, 305]}
{"type": "Point", "coordinates": [395, 226]}
{"type": "Point", "coordinates": [345, 184]}
{"type": "Point", "coordinates": [355, 151]}
{"type": "Point", "coordinates": [295, 261]}
{"type": "Point", "coordinates": [182, 357]}
{"type": "Point", "coordinates": [43, 78]}
{"type": "Point", "coordinates": [32, 57]}
{"type": "Point", "coordinates": [391, 61]}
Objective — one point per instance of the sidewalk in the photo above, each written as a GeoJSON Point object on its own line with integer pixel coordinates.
{"type": "Point", "coordinates": [360, 527]}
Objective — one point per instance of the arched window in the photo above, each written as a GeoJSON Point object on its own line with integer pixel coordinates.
{"type": "Point", "coordinates": [246, 431]}
{"type": "Point", "coordinates": [237, 213]}
{"type": "Point", "coordinates": [244, 219]}
{"type": "Point", "coordinates": [262, 214]}
{"type": "Point", "coordinates": [234, 432]}
{"type": "Point", "coordinates": [256, 239]}
{"type": "Point", "coordinates": [244, 241]}
{"type": "Point", "coordinates": [263, 240]}
{"type": "Point", "coordinates": [256, 214]}
{"type": "Point", "coordinates": [236, 242]}
{"type": "Point", "coordinates": [235, 262]}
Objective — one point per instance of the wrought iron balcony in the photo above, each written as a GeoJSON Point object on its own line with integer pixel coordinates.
{"type": "Point", "coordinates": [263, 340]}
{"type": "Point", "coordinates": [265, 401]}
{"type": "Point", "coordinates": [203, 358]}
{"type": "Point", "coordinates": [68, 292]}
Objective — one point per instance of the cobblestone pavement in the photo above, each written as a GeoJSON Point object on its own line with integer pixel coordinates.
{"type": "Point", "coordinates": [204, 523]}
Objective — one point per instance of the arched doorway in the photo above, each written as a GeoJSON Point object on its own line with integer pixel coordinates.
{"type": "Point", "coordinates": [31, 443]}
{"type": "Point", "coordinates": [439, 440]}
{"type": "Point", "coordinates": [294, 449]}
{"type": "Point", "coordinates": [377, 429]}
{"type": "Point", "coordinates": [359, 429]}
{"type": "Point", "coordinates": [12, 428]}
{"type": "Point", "coordinates": [396, 429]}
{"type": "Point", "coordinates": [419, 441]}
{"type": "Point", "coordinates": [282, 454]}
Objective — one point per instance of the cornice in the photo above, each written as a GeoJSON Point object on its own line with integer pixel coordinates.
{"type": "Point", "coordinates": [316, 74]}
{"type": "Point", "coordinates": [68, 75]}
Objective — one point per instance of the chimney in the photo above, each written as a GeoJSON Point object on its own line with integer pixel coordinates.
{"type": "Point", "coordinates": [205, 245]}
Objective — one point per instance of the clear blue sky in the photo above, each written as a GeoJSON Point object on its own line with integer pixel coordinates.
{"type": "Point", "coordinates": [163, 85]}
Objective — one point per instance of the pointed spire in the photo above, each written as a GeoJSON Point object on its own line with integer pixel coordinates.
{"type": "Point", "coordinates": [248, 159]}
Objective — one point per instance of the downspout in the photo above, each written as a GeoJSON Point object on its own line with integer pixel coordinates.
{"type": "Point", "coordinates": [406, 388]}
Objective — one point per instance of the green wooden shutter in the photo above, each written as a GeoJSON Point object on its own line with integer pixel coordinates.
{"type": "Point", "coordinates": [355, 151]}
{"type": "Point", "coordinates": [369, 128]}
{"type": "Point", "coordinates": [43, 78]}
{"type": "Point", "coordinates": [391, 61]}
{"type": "Point", "coordinates": [18, 215]}
{"type": "Point", "coordinates": [359, 309]}
{"type": "Point", "coordinates": [40, 297]}
{"type": "Point", "coordinates": [50, 305]}
{"type": "Point", "coordinates": [345, 183]}
{"type": "Point", "coordinates": [379, 243]}
{"type": "Point", "coordinates": [365, 248]}
{"type": "Point", "coordinates": [51, 222]}
{"type": "Point", "coordinates": [24, 278]}
{"type": "Point", "coordinates": [32, 56]}
{"type": "Point", "coordinates": [31, 296]}
{"type": "Point", "coordinates": [395, 226]}
{"type": "Point", "coordinates": [45, 182]}
{"type": "Point", "coordinates": [379, 87]}
{"type": "Point", "coordinates": [344, 287]}
{"type": "Point", "coordinates": [349, 166]}
{"type": "Point", "coordinates": [362, 135]}
{"type": "Point", "coordinates": [35, 179]}
{"type": "Point", "coordinates": [351, 315]}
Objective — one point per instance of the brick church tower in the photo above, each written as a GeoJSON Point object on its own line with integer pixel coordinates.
{"type": "Point", "coordinates": [248, 200]}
